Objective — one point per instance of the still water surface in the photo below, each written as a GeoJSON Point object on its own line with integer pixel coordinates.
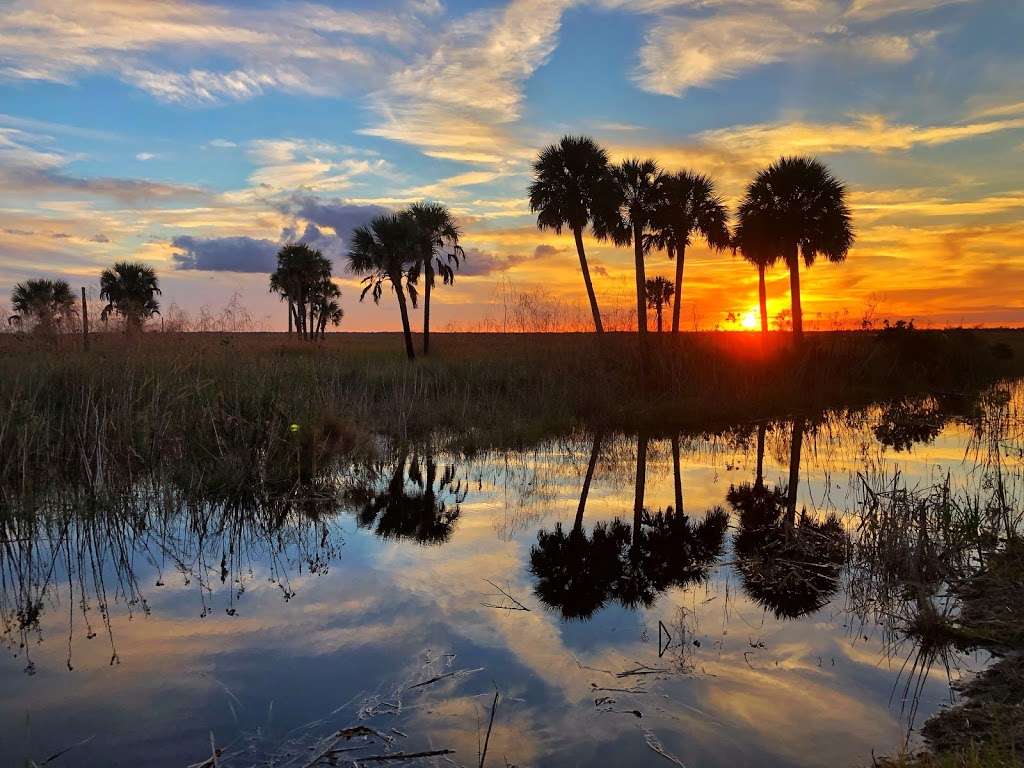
{"type": "Point", "coordinates": [617, 631]}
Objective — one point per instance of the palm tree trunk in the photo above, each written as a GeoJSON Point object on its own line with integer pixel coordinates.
{"type": "Point", "coordinates": [641, 281]}
{"type": "Point", "coordinates": [759, 477]}
{"type": "Point", "coordinates": [426, 310]}
{"type": "Point", "coordinates": [795, 449]}
{"type": "Point", "coordinates": [406, 330]}
{"type": "Point", "coordinates": [290, 319]}
{"type": "Point", "coordinates": [794, 293]}
{"type": "Point", "coordinates": [640, 486]}
{"type": "Point", "coordinates": [578, 234]}
{"type": "Point", "coordinates": [677, 305]}
{"type": "Point", "coordinates": [762, 299]}
{"type": "Point", "coordinates": [677, 475]}
{"type": "Point", "coordinates": [659, 316]}
{"type": "Point", "coordinates": [595, 450]}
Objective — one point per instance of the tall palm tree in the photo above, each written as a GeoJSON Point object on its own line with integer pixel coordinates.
{"type": "Point", "coordinates": [46, 302]}
{"type": "Point", "coordinates": [130, 290]}
{"type": "Point", "coordinates": [807, 207]}
{"type": "Point", "coordinates": [440, 252]}
{"type": "Point", "coordinates": [688, 206]}
{"type": "Point", "coordinates": [637, 189]}
{"type": "Point", "coordinates": [755, 239]}
{"type": "Point", "coordinates": [386, 250]}
{"type": "Point", "coordinates": [659, 293]}
{"type": "Point", "coordinates": [570, 187]}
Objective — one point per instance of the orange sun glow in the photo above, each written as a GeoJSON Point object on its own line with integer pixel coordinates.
{"type": "Point", "coordinates": [749, 320]}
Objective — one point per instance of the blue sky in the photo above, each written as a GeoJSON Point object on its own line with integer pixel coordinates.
{"type": "Point", "coordinates": [199, 137]}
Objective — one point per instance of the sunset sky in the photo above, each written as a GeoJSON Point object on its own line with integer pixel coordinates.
{"type": "Point", "coordinates": [199, 137]}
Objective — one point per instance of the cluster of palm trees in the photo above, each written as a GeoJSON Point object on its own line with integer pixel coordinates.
{"type": "Point", "coordinates": [303, 279]}
{"type": "Point", "coordinates": [795, 208]}
{"type": "Point", "coordinates": [129, 288]}
{"type": "Point", "coordinates": [397, 249]}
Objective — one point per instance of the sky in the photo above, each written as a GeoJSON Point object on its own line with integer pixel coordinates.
{"type": "Point", "coordinates": [200, 137]}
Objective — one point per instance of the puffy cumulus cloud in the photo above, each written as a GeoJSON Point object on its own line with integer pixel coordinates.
{"type": "Point", "coordinates": [308, 47]}
{"type": "Point", "coordinates": [340, 216]}
{"type": "Point", "coordinates": [457, 101]}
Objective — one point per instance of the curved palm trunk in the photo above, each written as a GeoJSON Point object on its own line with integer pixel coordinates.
{"type": "Point", "coordinates": [595, 450]}
{"type": "Point", "coordinates": [641, 281]}
{"type": "Point", "coordinates": [677, 304]}
{"type": "Point", "coordinates": [759, 477]}
{"type": "Point", "coordinates": [677, 475]}
{"type": "Point", "coordinates": [762, 299]}
{"type": "Point", "coordinates": [428, 274]}
{"type": "Point", "coordinates": [578, 235]}
{"type": "Point", "coordinates": [795, 449]}
{"type": "Point", "coordinates": [794, 293]}
{"type": "Point", "coordinates": [404, 310]}
{"type": "Point", "coordinates": [640, 486]}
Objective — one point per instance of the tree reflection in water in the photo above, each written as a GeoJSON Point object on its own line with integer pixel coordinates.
{"type": "Point", "coordinates": [578, 574]}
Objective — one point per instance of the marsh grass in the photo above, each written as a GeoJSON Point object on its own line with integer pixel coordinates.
{"type": "Point", "coordinates": [231, 408]}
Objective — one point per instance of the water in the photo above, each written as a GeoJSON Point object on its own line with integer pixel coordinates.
{"type": "Point", "coordinates": [142, 627]}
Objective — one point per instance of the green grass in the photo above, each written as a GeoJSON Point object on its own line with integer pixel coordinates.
{"type": "Point", "coordinates": [221, 405]}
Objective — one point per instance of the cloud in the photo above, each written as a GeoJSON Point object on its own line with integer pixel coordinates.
{"type": "Point", "coordinates": [143, 156]}
{"type": "Point", "coordinates": [224, 254]}
{"type": "Point", "coordinates": [874, 10]}
{"type": "Point", "coordinates": [458, 101]}
{"type": "Point", "coordinates": [340, 216]}
{"type": "Point", "coordinates": [288, 164]}
{"type": "Point", "coordinates": [222, 144]}
{"type": "Point", "coordinates": [307, 48]}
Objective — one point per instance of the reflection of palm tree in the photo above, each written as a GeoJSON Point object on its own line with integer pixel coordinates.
{"type": "Point", "coordinates": [795, 448]}
{"type": "Point", "coordinates": [395, 513]}
{"type": "Point", "coordinates": [628, 564]}
{"type": "Point", "coordinates": [905, 423]}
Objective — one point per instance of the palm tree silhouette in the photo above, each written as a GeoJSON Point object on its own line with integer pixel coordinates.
{"type": "Point", "coordinates": [386, 250]}
{"type": "Point", "coordinates": [303, 279]}
{"type": "Point", "coordinates": [47, 302]}
{"type": "Point", "coordinates": [637, 195]}
{"type": "Point", "coordinates": [802, 210]}
{"type": "Point", "coordinates": [754, 239]}
{"type": "Point", "coordinates": [688, 206]}
{"type": "Point", "coordinates": [440, 252]}
{"type": "Point", "coordinates": [570, 188]}
{"type": "Point", "coordinates": [130, 290]}
{"type": "Point", "coordinates": [659, 293]}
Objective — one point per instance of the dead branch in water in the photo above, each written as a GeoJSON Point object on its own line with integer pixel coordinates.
{"type": "Point", "coordinates": [516, 605]}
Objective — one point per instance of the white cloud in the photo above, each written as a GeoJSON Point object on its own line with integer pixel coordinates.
{"type": "Point", "coordinates": [144, 156]}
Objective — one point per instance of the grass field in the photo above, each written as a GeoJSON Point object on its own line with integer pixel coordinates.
{"type": "Point", "coordinates": [229, 402]}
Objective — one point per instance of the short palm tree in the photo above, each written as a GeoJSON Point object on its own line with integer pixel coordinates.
{"type": "Point", "coordinates": [47, 303]}
{"type": "Point", "coordinates": [386, 250]}
{"type": "Point", "coordinates": [440, 252]}
{"type": "Point", "coordinates": [637, 194]}
{"type": "Point", "coordinates": [659, 293]}
{"type": "Point", "coordinates": [755, 239]}
{"type": "Point", "coordinates": [303, 279]}
{"type": "Point", "coordinates": [807, 207]}
{"type": "Point", "coordinates": [688, 206]}
{"type": "Point", "coordinates": [570, 187]}
{"type": "Point", "coordinates": [130, 290]}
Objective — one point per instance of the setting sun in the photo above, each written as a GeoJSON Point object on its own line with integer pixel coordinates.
{"type": "Point", "coordinates": [749, 320]}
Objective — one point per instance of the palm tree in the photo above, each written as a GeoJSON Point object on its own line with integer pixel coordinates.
{"type": "Point", "coordinates": [659, 293]}
{"type": "Point", "coordinates": [688, 206]}
{"type": "Point", "coordinates": [807, 208]}
{"type": "Point", "coordinates": [754, 238]}
{"type": "Point", "coordinates": [130, 290]}
{"type": "Point", "coordinates": [47, 302]}
{"type": "Point", "coordinates": [386, 249]}
{"type": "Point", "coordinates": [571, 186]}
{"type": "Point", "coordinates": [637, 192]}
{"type": "Point", "coordinates": [303, 279]}
{"type": "Point", "coordinates": [440, 252]}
